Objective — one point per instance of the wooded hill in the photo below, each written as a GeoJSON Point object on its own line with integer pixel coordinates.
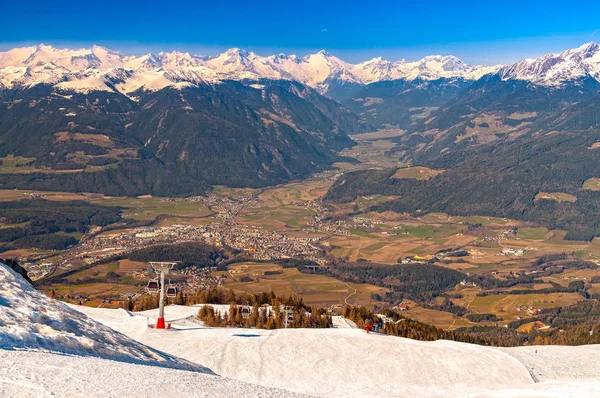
{"type": "Point", "coordinates": [47, 224]}
{"type": "Point", "coordinates": [500, 180]}
{"type": "Point", "coordinates": [170, 142]}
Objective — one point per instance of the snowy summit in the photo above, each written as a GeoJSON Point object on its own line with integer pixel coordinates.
{"type": "Point", "coordinates": [99, 68]}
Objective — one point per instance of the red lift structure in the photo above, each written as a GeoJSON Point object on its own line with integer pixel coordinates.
{"type": "Point", "coordinates": [162, 268]}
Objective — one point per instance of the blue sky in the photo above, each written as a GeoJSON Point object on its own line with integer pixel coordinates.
{"type": "Point", "coordinates": [476, 31]}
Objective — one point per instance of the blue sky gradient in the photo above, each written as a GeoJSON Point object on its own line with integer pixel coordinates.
{"type": "Point", "coordinates": [476, 31]}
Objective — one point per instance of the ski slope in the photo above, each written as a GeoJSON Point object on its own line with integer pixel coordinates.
{"type": "Point", "coordinates": [49, 348]}
{"type": "Point", "coordinates": [41, 374]}
{"type": "Point", "coordinates": [29, 320]}
{"type": "Point", "coordinates": [559, 362]}
{"type": "Point", "coordinates": [348, 362]}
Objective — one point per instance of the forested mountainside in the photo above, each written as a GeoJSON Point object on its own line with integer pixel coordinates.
{"type": "Point", "coordinates": [521, 143]}
{"type": "Point", "coordinates": [403, 103]}
{"type": "Point", "coordinates": [449, 114]}
{"type": "Point", "coordinates": [489, 110]}
{"type": "Point", "coordinates": [514, 180]}
{"type": "Point", "coordinates": [174, 141]}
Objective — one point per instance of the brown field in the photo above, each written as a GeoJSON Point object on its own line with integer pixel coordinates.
{"type": "Point", "coordinates": [593, 184]}
{"type": "Point", "coordinates": [556, 196]}
{"type": "Point", "coordinates": [16, 253]}
{"type": "Point", "coordinates": [522, 115]}
{"type": "Point", "coordinates": [488, 125]}
{"type": "Point", "coordinates": [594, 145]}
{"type": "Point", "coordinates": [277, 219]}
{"type": "Point", "coordinates": [528, 327]}
{"type": "Point", "coordinates": [128, 265]}
{"type": "Point", "coordinates": [440, 319]}
{"type": "Point", "coordinates": [294, 192]}
{"type": "Point", "coordinates": [316, 290]}
{"type": "Point", "coordinates": [93, 290]}
{"type": "Point", "coordinates": [10, 195]}
{"type": "Point", "coordinates": [418, 173]}
{"type": "Point", "coordinates": [166, 221]}
{"type": "Point", "coordinates": [595, 289]}
{"type": "Point", "coordinates": [378, 135]}
{"type": "Point", "coordinates": [572, 275]}
{"type": "Point", "coordinates": [373, 153]}
{"type": "Point", "coordinates": [504, 305]}
{"type": "Point", "coordinates": [458, 266]}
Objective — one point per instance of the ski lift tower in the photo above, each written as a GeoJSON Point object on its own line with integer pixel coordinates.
{"type": "Point", "coordinates": [288, 311]}
{"type": "Point", "coordinates": [162, 268]}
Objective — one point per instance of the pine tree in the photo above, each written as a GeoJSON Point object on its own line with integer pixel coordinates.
{"type": "Point", "coordinates": [180, 300]}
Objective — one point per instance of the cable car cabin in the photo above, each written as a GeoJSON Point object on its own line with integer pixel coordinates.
{"type": "Point", "coordinates": [153, 286]}
{"type": "Point", "coordinates": [171, 291]}
{"type": "Point", "coordinates": [245, 312]}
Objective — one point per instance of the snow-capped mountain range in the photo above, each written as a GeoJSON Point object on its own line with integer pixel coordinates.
{"type": "Point", "coordinates": [99, 68]}
{"type": "Point", "coordinates": [556, 69]}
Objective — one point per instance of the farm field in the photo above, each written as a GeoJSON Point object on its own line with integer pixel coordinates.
{"type": "Point", "coordinates": [348, 233]}
{"type": "Point", "coordinates": [504, 306]}
{"type": "Point", "coordinates": [418, 173]}
{"type": "Point", "coordinates": [318, 290]}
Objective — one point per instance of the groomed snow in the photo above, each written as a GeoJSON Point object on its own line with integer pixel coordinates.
{"type": "Point", "coordinates": [38, 374]}
{"type": "Point", "coordinates": [559, 362]}
{"type": "Point", "coordinates": [348, 362]}
{"type": "Point", "coordinates": [549, 389]}
{"type": "Point", "coordinates": [326, 362]}
{"type": "Point", "coordinates": [48, 348]}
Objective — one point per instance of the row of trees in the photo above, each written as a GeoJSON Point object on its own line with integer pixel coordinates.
{"type": "Point", "coordinates": [395, 324]}
{"type": "Point", "coordinates": [261, 310]}
{"type": "Point", "coordinates": [265, 317]}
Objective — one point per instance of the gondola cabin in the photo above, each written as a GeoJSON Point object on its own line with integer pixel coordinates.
{"type": "Point", "coordinates": [171, 291]}
{"type": "Point", "coordinates": [153, 286]}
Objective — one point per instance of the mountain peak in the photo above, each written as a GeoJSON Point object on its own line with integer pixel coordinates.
{"type": "Point", "coordinates": [237, 52]}
{"type": "Point", "coordinates": [591, 46]}
{"type": "Point", "coordinates": [43, 47]}
{"type": "Point", "coordinates": [316, 70]}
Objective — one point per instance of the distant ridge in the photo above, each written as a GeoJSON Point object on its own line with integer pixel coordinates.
{"type": "Point", "coordinates": [101, 69]}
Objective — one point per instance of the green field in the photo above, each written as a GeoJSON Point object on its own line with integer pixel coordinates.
{"type": "Point", "coordinates": [532, 233]}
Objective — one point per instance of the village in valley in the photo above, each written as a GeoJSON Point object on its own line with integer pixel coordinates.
{"type": "Point", "coordinates": [263, 228]}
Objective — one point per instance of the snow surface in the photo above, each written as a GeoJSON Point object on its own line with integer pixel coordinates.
{"type": "Point", "coordinates": [551, 389]}
{"type": "Point", "coordinates": [348, 362]}
{"type": "Point", "coordinates": [557, 69]}
{"type": "Point", "coordinates": [30, 320]}
{"type": "Point", "coordinates": [91, 69]}
{"type": "Point", "coordinates": [50, 348]}
{"type": "Point", "coordinates": [38, 374]}
{"type": "Point", "coordinates": [575, 363]}
{"type": "Point", "coordinates": [326, 362]}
